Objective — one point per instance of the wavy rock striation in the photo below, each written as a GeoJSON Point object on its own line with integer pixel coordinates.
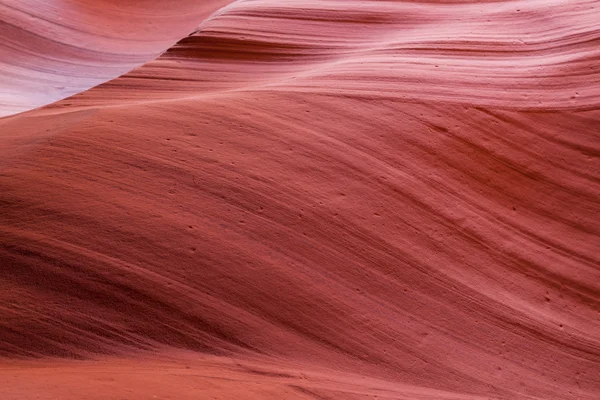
{"type": "Point", "coordinates": [333, 199]}
{"type": "Point", "coordinates": [53, 49]}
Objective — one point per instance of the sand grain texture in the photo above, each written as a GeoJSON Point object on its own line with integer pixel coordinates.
{"type": "Point", "coordinates": [311, 200]}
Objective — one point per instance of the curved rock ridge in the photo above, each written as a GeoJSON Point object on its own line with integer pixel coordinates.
{"type": "Point", "coordinates": [54, 49]}
{"type": "Point", "coordinates": [331, 200]}
{"type": "Point", "coordinates": [527, 55]}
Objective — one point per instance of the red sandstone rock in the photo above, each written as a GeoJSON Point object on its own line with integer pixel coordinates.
{"type": "Point", "coordinates": [331, 200]}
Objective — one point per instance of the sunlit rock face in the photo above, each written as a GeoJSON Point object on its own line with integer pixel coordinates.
{"type": "Point", "coordinates": [52, 49]}
{"type": "Point", "coordinates": [300, 200]}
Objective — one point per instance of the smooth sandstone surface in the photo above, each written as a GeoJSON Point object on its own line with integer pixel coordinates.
{"type": "Point", "coordinates": [52, 49]}
{"type": "Point", "coordinates": [307, 200]}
